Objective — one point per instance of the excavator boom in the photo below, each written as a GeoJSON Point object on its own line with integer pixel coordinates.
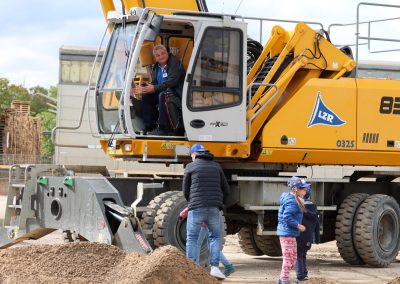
{"type": "Point", "coordinates": [189, 5]}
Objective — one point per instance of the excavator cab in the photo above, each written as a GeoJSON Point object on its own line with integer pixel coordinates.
{"type": "Point", "coordinates": [211, 49]}
{"type": "Point", "coordinates": [112, 78]}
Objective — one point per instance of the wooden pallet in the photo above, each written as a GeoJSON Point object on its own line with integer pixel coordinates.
{"type": "Point", "coordinates": [21, 106]}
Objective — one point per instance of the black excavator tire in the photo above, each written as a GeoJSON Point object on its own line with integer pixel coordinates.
{"type": "Point", "coordinates": [247, 241]}
{"type": "Point", "coordinates": [148, 217]}
{"type": "Point", "coordinates": [377, 230]}
{"type": "Point", "coordinates": [269, 245]}
{"type": "Point", "coordinates": [344, 228]}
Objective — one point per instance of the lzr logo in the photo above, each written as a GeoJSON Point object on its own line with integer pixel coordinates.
{"type": "Point", "coordinates": [323, 115]}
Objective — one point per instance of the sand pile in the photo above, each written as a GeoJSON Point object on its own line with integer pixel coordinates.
{"type": "Point", "coordinates": [97, 263]}
{"type": "Point", "coordinates": [395, 281]}
{"type": "Point", "coordinates": [164, 265]}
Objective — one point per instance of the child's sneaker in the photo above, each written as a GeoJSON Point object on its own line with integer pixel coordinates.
{"type": "Point", "coordinates": [229, 269]}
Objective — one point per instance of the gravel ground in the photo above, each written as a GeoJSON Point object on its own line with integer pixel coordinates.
{"type": "Point", "coordinates": [45, 264]}
{"type": "Point", "coordinates": [324, 264]}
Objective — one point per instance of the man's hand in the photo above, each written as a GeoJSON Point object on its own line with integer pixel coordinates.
{"type": "Point", "coordinates": [148, 89]}
{"type": "Point", "coordinates": [140, 90]}
{"type": "Point", "coordinates": [136, 91]}
{"type": "Point", "coordinates": [301, 227]}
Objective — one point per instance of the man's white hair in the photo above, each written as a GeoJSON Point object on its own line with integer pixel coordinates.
{"type": "Point", "coordinates": [159, 47]}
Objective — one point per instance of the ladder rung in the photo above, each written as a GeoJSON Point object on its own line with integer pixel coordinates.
{"type": "Point", "coordinates": [18, 185]}
{"type": "Point", "coordinates": [15, 206]}
{"type": "Point", "coordinates": [10, 227]}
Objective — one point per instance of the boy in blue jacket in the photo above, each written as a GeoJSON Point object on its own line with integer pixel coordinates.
{"type": "Point", "coordinates": [306, 238]}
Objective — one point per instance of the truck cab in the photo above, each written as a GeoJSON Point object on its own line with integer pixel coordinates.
{"type": "Point", "coordinates": [211, 48]}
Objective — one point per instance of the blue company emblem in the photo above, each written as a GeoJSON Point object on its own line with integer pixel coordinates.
{"type": "Point", "coordinates": [323, 115]}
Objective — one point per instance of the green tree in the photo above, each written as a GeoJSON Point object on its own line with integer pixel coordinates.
{"type": "Point", "coordinates": [10, 92]}
{"type": "Point", "coordinates": [53, 92]}
{"type": "Point", "coordinates": [39, 103]}
{"type": "Point", "coordinates": [48, 120]}
{"type": "Point", "coordinates": [39, 107]}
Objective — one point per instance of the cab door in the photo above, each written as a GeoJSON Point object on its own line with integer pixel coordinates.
{"type": "Point", "coordinates": [214, 107]}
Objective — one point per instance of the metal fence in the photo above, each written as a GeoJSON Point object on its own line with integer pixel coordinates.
{"type": "Point", "coordinates": [11, 159]}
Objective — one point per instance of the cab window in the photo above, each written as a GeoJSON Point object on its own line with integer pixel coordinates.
{"type": "Point", "coordinates": [217, 74]}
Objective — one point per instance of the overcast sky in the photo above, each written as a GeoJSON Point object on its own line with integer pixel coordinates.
{"type": "Point", "coordinates": [32, 31]}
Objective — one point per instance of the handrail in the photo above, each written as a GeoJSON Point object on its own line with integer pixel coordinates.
{"type": "Point", "coordinates": [261, 20]}
{"type": "Point", "coordinates": [369, 38]}
{"type": "Point", "coordinates": [358, 23]}
{"type": "Point", "coordinates": [90, 81]}
{"type": "Point", "coordinates": [262, 107]}
{"type": "Point", "coordinates": [53, 131]}
{"type": "Point", "coordinates": [363, 22]}
{"type": "Point", "coordinates": [123, 106]}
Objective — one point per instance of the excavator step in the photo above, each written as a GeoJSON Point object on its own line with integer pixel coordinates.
{"type": "Point", "coordinates": [18, 185]}
{"type": "Point", "coordinates": [14, 206]}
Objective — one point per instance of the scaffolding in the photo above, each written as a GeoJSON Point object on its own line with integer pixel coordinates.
{"type": "Point", "coordinates": [20, 134]}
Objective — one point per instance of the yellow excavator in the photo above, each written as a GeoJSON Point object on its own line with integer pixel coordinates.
{"type": "Point", "coordinates": [265, 112]}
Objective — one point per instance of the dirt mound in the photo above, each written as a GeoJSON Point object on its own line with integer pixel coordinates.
{"type": "Point", "coordinates": [77, 262]}
{"type": "Point", "coordinates": [395, 281]}
{"type": "Point", "coordinates": [97, 263]}
{"type": "Point", "coordinates": [165, 265]}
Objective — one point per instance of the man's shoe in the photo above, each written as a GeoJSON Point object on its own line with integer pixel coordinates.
{"type": "Point", "coordinates": [279, 281]}
{"type": "Point", "coordinates": [229, 269]}
{"type": "Point", "coordinates": [217, 273]}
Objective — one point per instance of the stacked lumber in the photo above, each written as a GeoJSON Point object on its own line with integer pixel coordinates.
{"type": "Point", "coordinates": [20, 134]}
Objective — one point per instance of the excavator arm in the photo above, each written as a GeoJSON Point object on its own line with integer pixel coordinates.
{"type": "Point", "coordinates": [306, 50]}
{"type": "Point", "coordinates": [187, 5]}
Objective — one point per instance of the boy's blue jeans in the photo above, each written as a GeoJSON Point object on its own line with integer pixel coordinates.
{"type": "Point", "coordinates": [204, 232]}
{"type": "Point", "coordinates": [196, 217]}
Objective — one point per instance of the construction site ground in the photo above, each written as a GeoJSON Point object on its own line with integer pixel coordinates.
{"type": "Point", "coordinates": [325, 265]}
